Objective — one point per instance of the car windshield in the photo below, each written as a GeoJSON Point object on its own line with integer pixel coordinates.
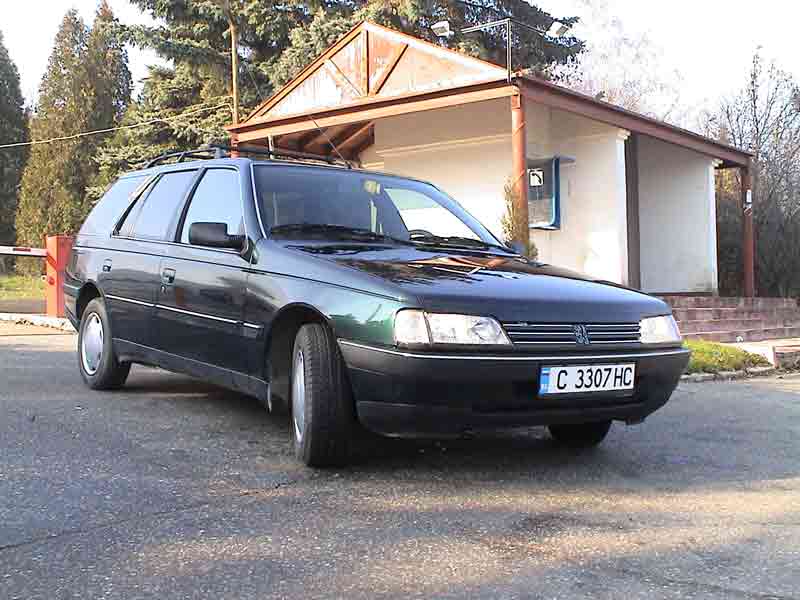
{"type": "Point", "coordinates": [331, 203]}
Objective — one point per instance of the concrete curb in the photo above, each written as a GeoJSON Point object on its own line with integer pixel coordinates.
{"type": "Point", "coordinates": [38, 321]}
{"type": "Point", "coordinates": [729, 375]}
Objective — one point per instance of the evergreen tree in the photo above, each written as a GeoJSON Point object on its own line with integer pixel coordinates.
{"type": "Point", "coordinates": [276, 40]}
{"type": "Point", "coordinates": [13, 128]}
{"type": "Point", "coordinates": [85, 88]}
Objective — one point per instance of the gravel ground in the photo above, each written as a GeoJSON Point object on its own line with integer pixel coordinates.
{"type": "Point", "coordinates": [175, 489]}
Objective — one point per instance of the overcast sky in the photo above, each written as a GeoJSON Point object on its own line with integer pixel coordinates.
{"type": "Point", "coordinates": [710, 42]}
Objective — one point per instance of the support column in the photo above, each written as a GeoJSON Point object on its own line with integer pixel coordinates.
{"type": "Point", "coordinates": [748, 237]}
{"type": "Point", "coordinates": [519, 171]}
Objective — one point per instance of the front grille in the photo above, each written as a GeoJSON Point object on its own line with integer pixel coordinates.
{"type": "Point", "coordinates": [547, 335]}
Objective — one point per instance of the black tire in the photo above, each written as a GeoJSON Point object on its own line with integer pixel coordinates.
{"type": "Point", "coordinates": [329, 412]}
{"type": "Point", "coordinates": [109, 373]}
{"type": "Point", "coordinates": [582, 435]}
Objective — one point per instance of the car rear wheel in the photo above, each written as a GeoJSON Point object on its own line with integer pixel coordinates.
{"type": "Point", "coordinates": [323, 416]}
{"type": "Point", "coordinates": [99, 366]}
{"type": "Point", "coordinates": [582, 435]}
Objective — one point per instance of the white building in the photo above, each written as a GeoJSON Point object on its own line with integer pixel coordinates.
{"type": "Point", "coordinates": [610, 193]}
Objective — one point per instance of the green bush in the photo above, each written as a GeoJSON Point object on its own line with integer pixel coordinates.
{"type": "Point", "coordinates": [16, 287]}
{"type": "Point", "coordinates": [710, 357]}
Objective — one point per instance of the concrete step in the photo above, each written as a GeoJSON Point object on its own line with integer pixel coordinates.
{"type": "Point", "coordinates": [749, 335]}
{"type": "Point", "coordinates": [724, 302]}
{"type": "Point", "coordinates": [717, 314]}
{"type": "Point", "coordinates": [737, 324]}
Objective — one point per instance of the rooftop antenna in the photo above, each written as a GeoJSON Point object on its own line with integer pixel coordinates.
{"type": "Point", "coordinates": [330, 141]}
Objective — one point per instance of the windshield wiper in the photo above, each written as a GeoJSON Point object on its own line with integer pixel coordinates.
{"type": "Point", "coordinates": [359, 233]}
{"type": "Point", "coordinates": [455, 240]}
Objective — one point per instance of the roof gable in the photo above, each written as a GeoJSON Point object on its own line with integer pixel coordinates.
{"type": "Point", "coordinates": [373, 62]}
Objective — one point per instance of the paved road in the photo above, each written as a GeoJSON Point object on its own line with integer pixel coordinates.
{"type": "Point", "coordinates": [174, 489]}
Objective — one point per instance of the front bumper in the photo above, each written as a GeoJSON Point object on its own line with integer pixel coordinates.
{"type": "Point", "coordinates": [405, 394]}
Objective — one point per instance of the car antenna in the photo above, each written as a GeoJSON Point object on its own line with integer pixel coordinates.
{"type": "Point", "coordinates": [330, 141]}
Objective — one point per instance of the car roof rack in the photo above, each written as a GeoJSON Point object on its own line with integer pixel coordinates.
{"type": "Point", "coordinates": [217, 151]}
{"type": "Point", "coordinates": [285, 154]}
{"type": "Point", "coordinates": [199, 153]}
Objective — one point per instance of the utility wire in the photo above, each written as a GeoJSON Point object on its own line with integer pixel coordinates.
{"type": "Point", "coordinates": [110, 129]}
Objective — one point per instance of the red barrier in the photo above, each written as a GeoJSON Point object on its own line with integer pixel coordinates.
{"type": "Point", "coordinates": [58, 252]}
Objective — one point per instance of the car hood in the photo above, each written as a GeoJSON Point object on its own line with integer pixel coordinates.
{"type": "Point", "coordinates": [507, 287]}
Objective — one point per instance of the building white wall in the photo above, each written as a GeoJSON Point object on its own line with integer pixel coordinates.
{"type": "Point", "coordinates": [677, 219]}
{"type": "Point", "coordinates": [593, 234]}
{"type": "Point", "coordinates": [464, 150]}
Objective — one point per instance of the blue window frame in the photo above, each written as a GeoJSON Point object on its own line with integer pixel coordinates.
{"type": "Point", "coordinates": [544, 193]}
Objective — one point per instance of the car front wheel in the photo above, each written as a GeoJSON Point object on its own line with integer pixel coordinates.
{"type": "Point", "coordinates": [99, 366]}
{"type": "Point", "coordinates": [323, 416]}
{"type": "Point", "coordinates": [582, 435]}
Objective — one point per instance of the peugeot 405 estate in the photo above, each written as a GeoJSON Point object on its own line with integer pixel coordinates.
{"type": "Point", "coordinates": [351, 299]}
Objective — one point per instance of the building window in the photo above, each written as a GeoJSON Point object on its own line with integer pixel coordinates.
{"type": "Point", "coordinates": [544, 194]}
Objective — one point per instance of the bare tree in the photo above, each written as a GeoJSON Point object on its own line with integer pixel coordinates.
{"type": "Point", "coordinates": [764, 118]}
{"type": "Point", "coordinates": [620, 68]}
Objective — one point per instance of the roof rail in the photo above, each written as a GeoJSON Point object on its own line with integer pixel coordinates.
{"type": "Point", "coordinates": [197, 154]}
{"type": "Point", "coordinates": [290, 154]}
{"type": "Point", "coordinates": [223, 151]}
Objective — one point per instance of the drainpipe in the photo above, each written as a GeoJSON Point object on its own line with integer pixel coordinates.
{"type": "Point", "coordinates": [519, 168]}
{"type": "Point", "coordinates": [748, 238]}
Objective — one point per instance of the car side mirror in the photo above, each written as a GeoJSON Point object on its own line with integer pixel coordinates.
{"type": "Point", "coordinates": [214, 235]}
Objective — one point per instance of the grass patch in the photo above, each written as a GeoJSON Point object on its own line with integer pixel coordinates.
{"type": "Point", "coordinates": [21, 287]}
{"type": "Point", "coordinates": [709, 357]}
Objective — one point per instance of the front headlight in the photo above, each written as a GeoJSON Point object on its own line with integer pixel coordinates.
{"type": "Point", "coordinates": [415, 327]}
{"type": "Point", "coordinates": [660, 330]}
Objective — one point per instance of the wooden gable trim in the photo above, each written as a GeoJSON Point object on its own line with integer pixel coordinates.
{"type": "Point", "coordinates": [441, 51]}
{"type": "Point", "coordinates": [373, 108]}
{"type": "Point", "coordinates": [363, 29]}
{"type": "Point", "coordinates": [388, 70]}
{"type": "Point", "coordinates": [343, 79]}
{"type": "Point", "coordinates": [365, 61]}
{"type": "Point", "coordinates": [307, 72]}
{"type": "Point", "coordinates": [355, 134]}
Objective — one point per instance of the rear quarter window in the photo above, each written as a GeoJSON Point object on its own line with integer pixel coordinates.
{"type": "Point", "coordinates": [111, 206]}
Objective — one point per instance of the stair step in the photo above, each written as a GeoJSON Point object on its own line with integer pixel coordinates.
{"type": "Point", "coordinates": [716, 314]}
{"type": "Point", "coordinates": [737, 324]}
{"type": "Point", "coordinates": [749, 335]}
{"type": "Point", "coordinates": [725, 302]}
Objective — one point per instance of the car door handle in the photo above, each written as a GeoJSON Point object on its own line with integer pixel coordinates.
{"type": "Point", "coordinates": [168, 276]}
{"type": "Point", "coordinates": [107, 265]}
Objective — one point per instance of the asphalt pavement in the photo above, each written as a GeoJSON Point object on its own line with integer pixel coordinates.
{"type": "Point", "coordinates": [172, 488]}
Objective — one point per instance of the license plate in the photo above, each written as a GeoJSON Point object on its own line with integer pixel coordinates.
{"type": "Point", "coordinates": [586, 379]}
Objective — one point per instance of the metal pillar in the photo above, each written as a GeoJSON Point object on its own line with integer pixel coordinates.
{"type": "Point", "coordinates": [519, 166]}
{"type": "Point", "coordinates": [748, 237]}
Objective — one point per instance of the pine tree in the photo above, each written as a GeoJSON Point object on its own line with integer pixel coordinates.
{"type": "Point", "coordinates": [194, 37]}
{"type": "Point", "coordinates": [13, 128]}
{"type": "Point", "coordinates": [276, 40]}
{"type": "Point", "coordinates": [85, 88]}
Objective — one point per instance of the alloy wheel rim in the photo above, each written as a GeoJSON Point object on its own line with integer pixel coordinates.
{"type": "Point", "coordinates": [92, 344]}
{"type": "Point", "coordinates": [299, 396]}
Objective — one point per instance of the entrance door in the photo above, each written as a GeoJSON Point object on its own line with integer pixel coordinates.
{"type": "Point", "coordinates": [201, 295]}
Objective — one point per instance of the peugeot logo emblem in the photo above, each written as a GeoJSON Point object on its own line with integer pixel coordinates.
{"type": "Point", "coordinates": [581, 335]}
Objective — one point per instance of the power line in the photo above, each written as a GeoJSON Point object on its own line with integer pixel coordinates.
{"type": "Point", "coordinates": [110, 129]}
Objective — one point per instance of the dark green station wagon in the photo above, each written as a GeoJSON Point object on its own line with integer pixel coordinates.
{"type": "Point", "coordinates": [353, 299]}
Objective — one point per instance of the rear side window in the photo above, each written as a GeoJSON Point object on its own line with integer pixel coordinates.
{"type": "Point", "coordinates": [216, 200]}
{"type": "Point", "coordinates": [161, 204]}
{"type": "Point", "coordinates": [111, 206]}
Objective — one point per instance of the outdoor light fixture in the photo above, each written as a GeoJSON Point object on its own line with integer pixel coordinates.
{"type": "Point", "coordinates": [442, 29]}
{"type": "Point", "coordinates": [557, 29]}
